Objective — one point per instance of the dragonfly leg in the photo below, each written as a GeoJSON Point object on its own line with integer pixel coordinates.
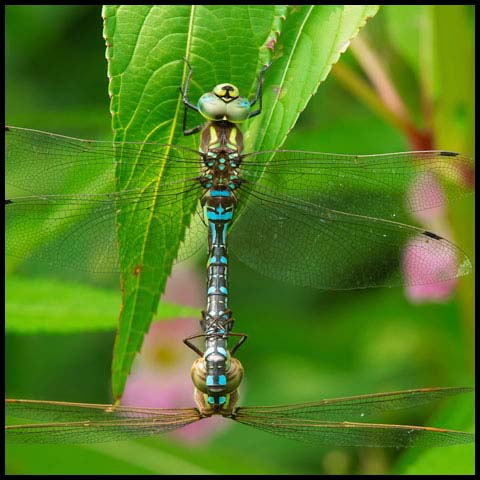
{"type": "Point", "coordinates": [187, 103]}
{"type": "Point", "coordinates": [184, 91]}
{"type": "Point", "coordinates": [242, 336]}
{"type": "Point", "coordinates": [193, 347]}
{"type": "Point", "coordinates": [258, 95]}
{"type": "Point", "coordinates": [191, 130]}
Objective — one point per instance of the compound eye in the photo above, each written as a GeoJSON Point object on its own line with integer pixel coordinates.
{"type": "Point", "coordinates": [238, 110]}
{"type": "Point", "coordinates": [212, 107]}
{"type": "Point", "coordinates": [226, 91]}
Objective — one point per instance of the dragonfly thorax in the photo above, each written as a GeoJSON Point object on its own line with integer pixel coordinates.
{"type": "Point", "coordinates": [221, 148]}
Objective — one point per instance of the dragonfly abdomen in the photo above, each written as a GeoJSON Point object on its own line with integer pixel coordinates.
{"type": "Point", "coordinates": [221, 147]}
{"type": "Point", "coordinates": [217, 320]}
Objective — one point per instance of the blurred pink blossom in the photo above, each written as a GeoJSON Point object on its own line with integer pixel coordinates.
{"type": "Point", "coordinates": [428, 276]}
{"type": "Point", "coordinates": [426, 198]}
{"type": "Point", "coordinates": [425, 269]}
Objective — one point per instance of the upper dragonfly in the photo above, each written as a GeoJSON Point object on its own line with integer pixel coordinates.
{"type": "Point", "coordinates": [313, 219]}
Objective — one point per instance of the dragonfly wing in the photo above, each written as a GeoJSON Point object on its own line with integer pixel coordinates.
{"type": "Point", "coordinates": [346, 434]}
{"type": "Point", "coordinates": [310, 245]}
{"type": "Point", "coordinates": [94, 432]}
{"type": "Point", "coordinates": [77, 204]}
{"type": "Point", "coordinates": [41, 163]}
{"type": "Point", "coordinates": [384, 186]}
{"type": "Point", "coordinates": [78, 232]}
{"type": "Point", "coordinates": [89, 423]}
{"type": "Point", "coordinates": [195, 236]}
{"type": "Point", "coordinates": [356, 407]}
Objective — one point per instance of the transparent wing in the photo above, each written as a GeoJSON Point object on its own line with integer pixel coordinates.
{"type": "Point", "coordinates": [78, 231]}
{"type": "Point", "coordinates": [196, 236]}
{"type": "Point", "coordinates": [371, 185]}
{"type": "Point", "coordinates": [312, 422]}
{"type": "Point", "coordinates": [77, 202]}
{"type": "Point", "coordinates": [347, 434]}
{"type": "Point", "coordinates": [310, 245]}
{"type": "Point", "coordinates": [89, 423]}
{"type": "Point", "coordinates": [337, 221]}
{"type": "Point", "coordinates": [43, 163]}
{"type": "Point", "coordinates": [357, 407]}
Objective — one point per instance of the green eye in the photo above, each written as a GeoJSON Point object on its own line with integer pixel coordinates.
{"type": "Point", "coordinates": [238, 110]}
{"type": "Point", "coordinates": [212, 107]}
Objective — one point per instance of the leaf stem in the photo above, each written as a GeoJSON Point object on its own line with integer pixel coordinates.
{"type": "Point", "coordinates": [364, 92]}
{"type": "Point", "coordinates": [382, 98]}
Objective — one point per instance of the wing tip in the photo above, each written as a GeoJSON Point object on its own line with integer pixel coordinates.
{"type": "Point", "coordinates": [432, 235]}
{"type": "Point", "coordinates": [445, 153]}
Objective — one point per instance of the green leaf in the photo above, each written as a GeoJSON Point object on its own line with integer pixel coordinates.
{"type": "Point", "coordinates": [145, 46]}
{"type": "Point", "coordinates": [53, 307]}
{"type": "Point", "coordinates": [145, 50]}
{"type": "Point", "coordinates": [312, 40]}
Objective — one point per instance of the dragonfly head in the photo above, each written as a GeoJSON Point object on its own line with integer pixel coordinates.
{"type": "Point", "coordinates": [224, 103]}
{"type": "Point", "coordinates": [217, 374]}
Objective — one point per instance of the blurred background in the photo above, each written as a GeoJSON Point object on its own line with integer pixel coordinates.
{"type": "Point", "coordinates": [309, 344]}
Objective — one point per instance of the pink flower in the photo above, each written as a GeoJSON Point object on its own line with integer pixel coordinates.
{"type": "Point", "coordinates": [426, 198]}
{"type": "Point", "coordinates": [427, 277]}
{"type": "Point", "coordinates": [430, 275]}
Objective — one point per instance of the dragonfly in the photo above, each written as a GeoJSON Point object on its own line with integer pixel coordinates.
{"type": "Point", "coordinates": [321, 220]}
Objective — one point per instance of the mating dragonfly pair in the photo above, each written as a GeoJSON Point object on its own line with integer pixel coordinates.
{"type": "Point", "coordinates": [323, 213]}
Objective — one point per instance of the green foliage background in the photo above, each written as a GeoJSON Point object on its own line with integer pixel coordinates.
{"type": "Point", "coordinates": [308, 344]}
